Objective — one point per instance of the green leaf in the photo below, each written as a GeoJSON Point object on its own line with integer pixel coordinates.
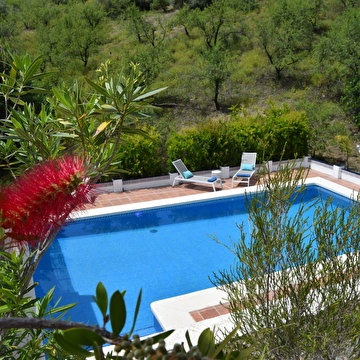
{"type": "Point", "coordinates": [159, 337]}
{"type": "Point", "coordinates": [117, 313]}
{"type": "Point", "coordinates": [2, 232]}
{"type": "Point", "coordinates": [70, 347]}
{"type": "Point", "coordinates": [98, 88]}
{"type": "Point", "coordinates": [137, 308]}
{"type": "Point", "coordinates": [5, 309]}
{"type": "Point", "coordinates": [32, 69]}
{"type": "Point", "coordinates": [149, 94]}
{"type": "Point", "coordinates": [108, 108]}
{"type": "Point", "coordinates": [98, 354]}
{"type": "Point", "coordinates": [225, 341]}
{"type": "Point", "coordinates": [187, 337]}
{"type": "Point", "coordinates": [102, 298]}
{"type": "Point", "coordinates": [83, 337]}
{"type": "Point", "coordinates": [63, 98]}
{"type": "Point", "coordinates": [206, 343]}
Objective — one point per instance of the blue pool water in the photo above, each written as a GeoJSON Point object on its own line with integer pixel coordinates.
{"type": "Point", "coordinates": [166, 252]}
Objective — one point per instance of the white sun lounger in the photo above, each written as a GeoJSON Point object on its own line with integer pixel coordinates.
{"type": "Point", "coordinates": [185, 175]}
{"type": "Point", "coordinates": [247, 169]}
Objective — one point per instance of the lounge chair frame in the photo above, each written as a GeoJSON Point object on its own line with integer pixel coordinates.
{"type": "Point", "coordinates": [244, 176]}
{"type": "Point", "coordinates": [181, 168]}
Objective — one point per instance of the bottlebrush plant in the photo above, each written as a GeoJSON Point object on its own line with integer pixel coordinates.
{"type": "Point", "coordinates": [38, 203]}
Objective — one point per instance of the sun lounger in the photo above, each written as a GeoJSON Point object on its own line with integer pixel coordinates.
{"type": "Point", "coordinates": [185, 175]}
{"type": "Point", "coordinates": [246, 170]}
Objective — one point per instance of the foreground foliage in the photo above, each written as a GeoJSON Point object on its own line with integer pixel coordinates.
{"type": "Point", "coordinates": [294, 287]}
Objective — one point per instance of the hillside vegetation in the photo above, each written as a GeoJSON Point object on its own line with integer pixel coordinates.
{"type": "Point", "coordinates": [220, 59]}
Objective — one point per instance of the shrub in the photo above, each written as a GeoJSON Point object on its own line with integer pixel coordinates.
{"type": "Point", "coordinates": [284, 134]}
{"type": "Point", "coordinates": [291, 290]}
{"type": "Point", "coordinates": [281, 133]}
{"type": "Point", "coordinates": [140, 155]}
{"type": "Point", "coordinates": [208, 145]}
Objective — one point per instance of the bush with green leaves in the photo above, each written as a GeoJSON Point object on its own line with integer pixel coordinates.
{"type": "Point", "coordinates": [281, 132]}
{"type": "Point", "coordinates": [17, 301]}
{"type": "Point", "coordinates": [140, 155]}
{"type": "Point", "coordinates": [294, 291]}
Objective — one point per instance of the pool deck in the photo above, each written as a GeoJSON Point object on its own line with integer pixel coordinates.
{"type": "Point", "coordinates": [207, 308]}
{"type": "Point", "coordinates": [169, 192]}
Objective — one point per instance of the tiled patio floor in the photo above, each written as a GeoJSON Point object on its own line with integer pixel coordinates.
{"type": "Point", "coordinates": [166, 192]}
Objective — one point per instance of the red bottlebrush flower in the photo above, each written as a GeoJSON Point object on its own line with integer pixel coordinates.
{"type": "Point", "coordinates": [40, 201]}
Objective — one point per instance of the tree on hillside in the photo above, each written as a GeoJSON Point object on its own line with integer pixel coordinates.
{"type": "Point", "coordinates": [215, 71]}
{"type": "Point", "coordinates": [160, 5]}
{"type": "Point", "coordinates": [349, 3]}
{"type": "Point", "coordinates": [150, 30]}
{"type": "Point", "coordinates": [199, 4]}
{"type": "Point", "coordinates": [135, 21]}
{"type": "Point", "coordinates": [249, 5]}
{"type": "Point", "coordinates": [8, 21]}
{"type": "Point", "coordinates": [115, 8]}
{"type": "Point", "coordinates": [87, 32]}
{"type": "Point", "coordinates": [213, 22]}
{"type": "Point", "coordinates": [286, 33]}
{"type": "Point", "coordinates": [324, 124]}
{"type": "Point", "coordinates": [218, 30]}
{"type": "Point", "coordinates": [151, 33]}
{"type": "Point", "coordinates": [182, 19]}
{"type": "Point", "coordinates": [76, 34]}
{"type": "Point", "coordinates": [340, 51]}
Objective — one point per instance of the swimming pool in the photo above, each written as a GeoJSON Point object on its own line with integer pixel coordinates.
{"type": "Point", "coordinates": [166, 251]}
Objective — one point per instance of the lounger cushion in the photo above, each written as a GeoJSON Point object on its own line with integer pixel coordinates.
{"type": "Point", "coordinates": [187, 174]}
{"type": "Point", "coordinates": [242, 175]}
{"type": "Point", "coordinates": [212, 179]}
{"type": "Point", "coordinates": [248, 167]}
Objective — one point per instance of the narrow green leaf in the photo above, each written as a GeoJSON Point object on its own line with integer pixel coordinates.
{"type": "Point", "coordinates": [117, 313]}
{"type": "Point", "coordinates": [98, 88]}
{"type": "Point", "coordinates": [69, 347]}
{"type": "Point", "coordinates": [5, 309]}
{"type": "Point", "coordinates": [102, 298]}
{"type": "Point", "coordinates": [243, 354]}
{"type": "Point", "coordinates": [83, 337]}
{"type": "Point", "coordinates": [187, 337]}
{"type": "Point", "coordinates": [158, 337]}
{"type": "Point", "coordinates": [65, 135]}
{"type": "Point", "coordinates": [2, 232]}
{"type": "Point", "coordinates": [32, 69]}
{"type": "Point", "coordinates": [98, 354]}
{"type": "Point", "coordinates": [149, 94]}
{"type": "Point", "coordinates": [137, 308]}
{"type": "Point", "coordinates": [63, 99]}
{"type": "Point", "coordinates": [108, 108]}
{"type": "Point", "coordinates": [62, 309]}
{"type": "Point", "coordinates": [225, 341]}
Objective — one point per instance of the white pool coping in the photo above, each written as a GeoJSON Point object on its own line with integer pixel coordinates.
{"type": "Point", "coordinates": [118, 209]}
{"type": "Point", "coordinates": [173, 313]}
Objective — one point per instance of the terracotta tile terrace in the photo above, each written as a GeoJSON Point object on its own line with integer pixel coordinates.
{"type": "Point", "coordinates": [106, 199]}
